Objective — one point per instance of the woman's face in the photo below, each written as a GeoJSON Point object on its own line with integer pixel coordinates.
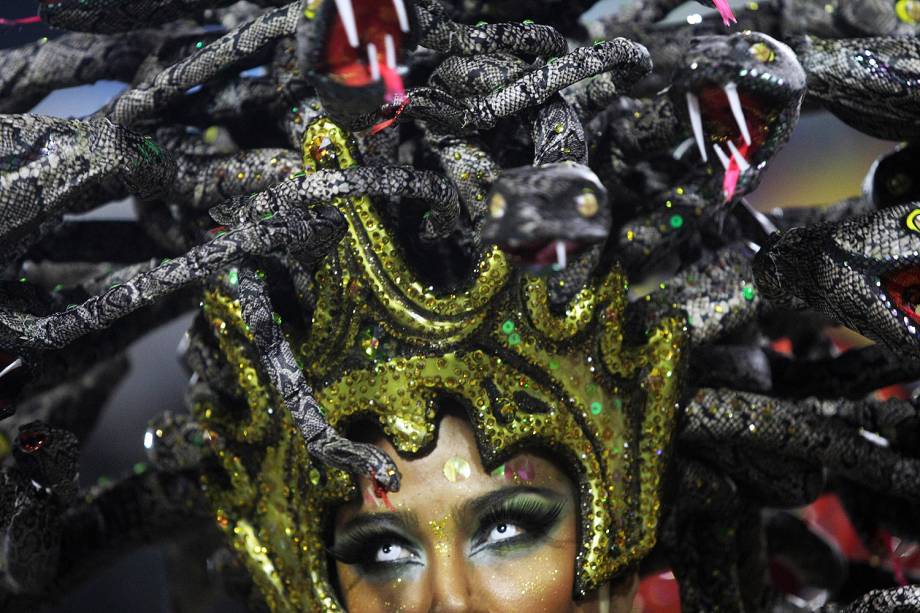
{"type": "Point", "coordinates": [456, 538]}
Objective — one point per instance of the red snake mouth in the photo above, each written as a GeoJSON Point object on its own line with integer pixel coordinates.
{"type": "Point", "coordinates": [902, 287]}
{"type": "Point", "coordinates": [730, 125]}
{"type": "Point", "coordinates": [544, 255]}
{"type": "Point", "coordinates": [365, 42]}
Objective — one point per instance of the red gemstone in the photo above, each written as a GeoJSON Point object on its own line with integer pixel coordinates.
{"type": "Point", "coordinates": [30, 442]}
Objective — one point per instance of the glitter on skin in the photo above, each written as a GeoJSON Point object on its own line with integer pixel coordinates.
{"type": "Point", "coordinates": [521, 470]}
{"type": "Point", "coordinates": [440, 532]}
{"type": "Point", "coordinates": [446, 534]}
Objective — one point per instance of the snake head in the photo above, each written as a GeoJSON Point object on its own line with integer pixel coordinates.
{"type": "Point", "coordinates": [878, 17]}
{"type": "Point", "coordinates": [174, 441]}
{"type": "Point", "coordinates": [892, 179]}
{"type": "Point", "coordinates": [546, 215]}
{"type": "Point", "coordinates": [863, 272]}
{"type": "Point", "coordinates": [869, 83]}
{"type": "Point", "coordinates": [739, 97]}
{"type": "Point", "coordinates": [354, 51]}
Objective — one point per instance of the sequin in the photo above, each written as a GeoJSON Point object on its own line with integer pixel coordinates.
{"type": "Point", "coordinates": [529, 375]}
{"type": "Point", "coordinates": [457, 469]}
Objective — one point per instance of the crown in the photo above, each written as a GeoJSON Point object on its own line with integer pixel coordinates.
{"type": "Point", "coordinates": [384, 347]}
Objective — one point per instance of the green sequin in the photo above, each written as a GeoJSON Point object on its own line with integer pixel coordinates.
{"type": "Point", "coordinates": [748, 292]}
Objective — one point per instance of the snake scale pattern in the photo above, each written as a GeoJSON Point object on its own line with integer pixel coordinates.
{"type": "Point", "coordinates": [633, 146]}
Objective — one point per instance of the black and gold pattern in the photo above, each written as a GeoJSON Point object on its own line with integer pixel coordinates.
{"type": "Point", "coordinates": [528, 379]}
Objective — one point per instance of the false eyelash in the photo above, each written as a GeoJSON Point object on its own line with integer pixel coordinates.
{"type": "Point", "coordinates": [358, 545]}
{"type": "Point", "coordinates": [534, 514]}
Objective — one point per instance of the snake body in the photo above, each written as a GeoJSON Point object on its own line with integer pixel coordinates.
{"type": "Point", "coordinates": [494, 133]}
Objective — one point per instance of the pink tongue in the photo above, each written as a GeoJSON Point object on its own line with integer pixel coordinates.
{"type": "Point", "coordinates": [393, 84]}
{"type": "Point", "coordinates": [730, 182]}
{"type": "Point", "coordinates": [20, 22]}
{"type": "Point", "coordinates": [725, 11]}
{"type": "Point", "coordinates": [395, 93]}
{"type": "Point", "coordinates": [732, 174]}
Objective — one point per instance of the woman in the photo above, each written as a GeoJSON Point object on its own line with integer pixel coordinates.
{"type": "Point", "coordinates": [461, 538]}
{"type": "Point", "coordinates": [571, 414]}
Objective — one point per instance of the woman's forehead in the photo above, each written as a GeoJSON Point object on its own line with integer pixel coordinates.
{"type": "Point", "coordinates": [453, 472]}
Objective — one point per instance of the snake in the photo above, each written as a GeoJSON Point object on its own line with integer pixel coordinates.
{"type": "Point", "coordinates": [861, 272]}
{"type": "Point", "coordinates": [502, 135]}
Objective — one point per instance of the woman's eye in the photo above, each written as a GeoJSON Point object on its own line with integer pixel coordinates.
{"type": "Point", "coordinates": [503, 532]}
{"type": "Point", "coordinates": [392, 552]}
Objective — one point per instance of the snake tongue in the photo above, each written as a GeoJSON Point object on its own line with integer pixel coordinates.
{"type": "Point", "coordinates": [21, 21]}
{"type": "Point", "coordinates": [393, 84]}
{"type": "Point", "coordinates": [728, 17]}
{"type": "Point", "coordinates": [735, 166]}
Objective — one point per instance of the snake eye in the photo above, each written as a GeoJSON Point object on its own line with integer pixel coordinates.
{"type": "Point", "coordinates": [911, 221]}
{"type": "Point", "coordinates": [587, 204]}
{"type": "Point", "coordinates": [898, 184]}
{"type": "Point", "coordinates": [908, 11]}
{"type": "Point", "coordinates": [763, 53]}
{"type": "Point", "coordinates": [497, 206]}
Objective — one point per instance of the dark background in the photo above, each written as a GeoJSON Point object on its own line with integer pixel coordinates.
{"type": "Point", "coordinates": [824, 162]}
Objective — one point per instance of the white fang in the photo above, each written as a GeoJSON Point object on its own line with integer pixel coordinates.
{"type": "Point", "coordinates": [721, 155]}
{"type": "Point", "coordinates": [372, 61]}
{"type": "Point", "coordinates": [391, 51]}
{"type": "Point", "coordinates": [734, 101]}
{"type": "Point", "coordinates": [696, 120]}
{"type": "Point", "coordinates": [11, 367]}
{"type": "Point", "coordinates": [402, 15]}
{"type": "Point", "coordinates": [682, 148]}
{"type": "Point", "coordinates": [739, 159]}
{"type": "Point", "coordinates": [561, 255]}
{"type": "Point", "coordinates": [347, 15]}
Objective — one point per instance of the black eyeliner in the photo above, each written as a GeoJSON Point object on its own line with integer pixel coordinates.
{"type": "Point", "coordinates": [536, 513]}
{"type": "Point", "coordinates": [359, 540]}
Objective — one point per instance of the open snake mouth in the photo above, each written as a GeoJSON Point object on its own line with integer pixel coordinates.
{"type": "Point", "coordinates": [731, 125]}
{"type": "Point", "coordinates": [543, 256]}
{"type": "Point", "coordinates": [902, 290]}
{"type": "Point", "coordinates": [365, 42]}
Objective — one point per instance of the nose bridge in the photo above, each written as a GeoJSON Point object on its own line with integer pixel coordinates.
{"type": "Point", "coordinates": [450, 581]}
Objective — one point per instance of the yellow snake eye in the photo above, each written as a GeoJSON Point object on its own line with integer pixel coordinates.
{"type": "Point", "coordinates": [587, 204]}
{"type": "Point", "coordinates": [497, 206]}
{"type": "Point", "coordinates": [763, 53]}
{"type": "Point", "coordinates": [911, 221]}
{"type": "Point", "coordinates": [908, 11]}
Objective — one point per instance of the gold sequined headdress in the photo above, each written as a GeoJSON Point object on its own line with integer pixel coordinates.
{"type": "Point", "coordinates": [384, 346]}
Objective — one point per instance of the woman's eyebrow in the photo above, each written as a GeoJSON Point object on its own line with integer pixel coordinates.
{"type": "Point", "coordinates": [400, 520]}
{"type": "Point", "coordinates": [469, 508]}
